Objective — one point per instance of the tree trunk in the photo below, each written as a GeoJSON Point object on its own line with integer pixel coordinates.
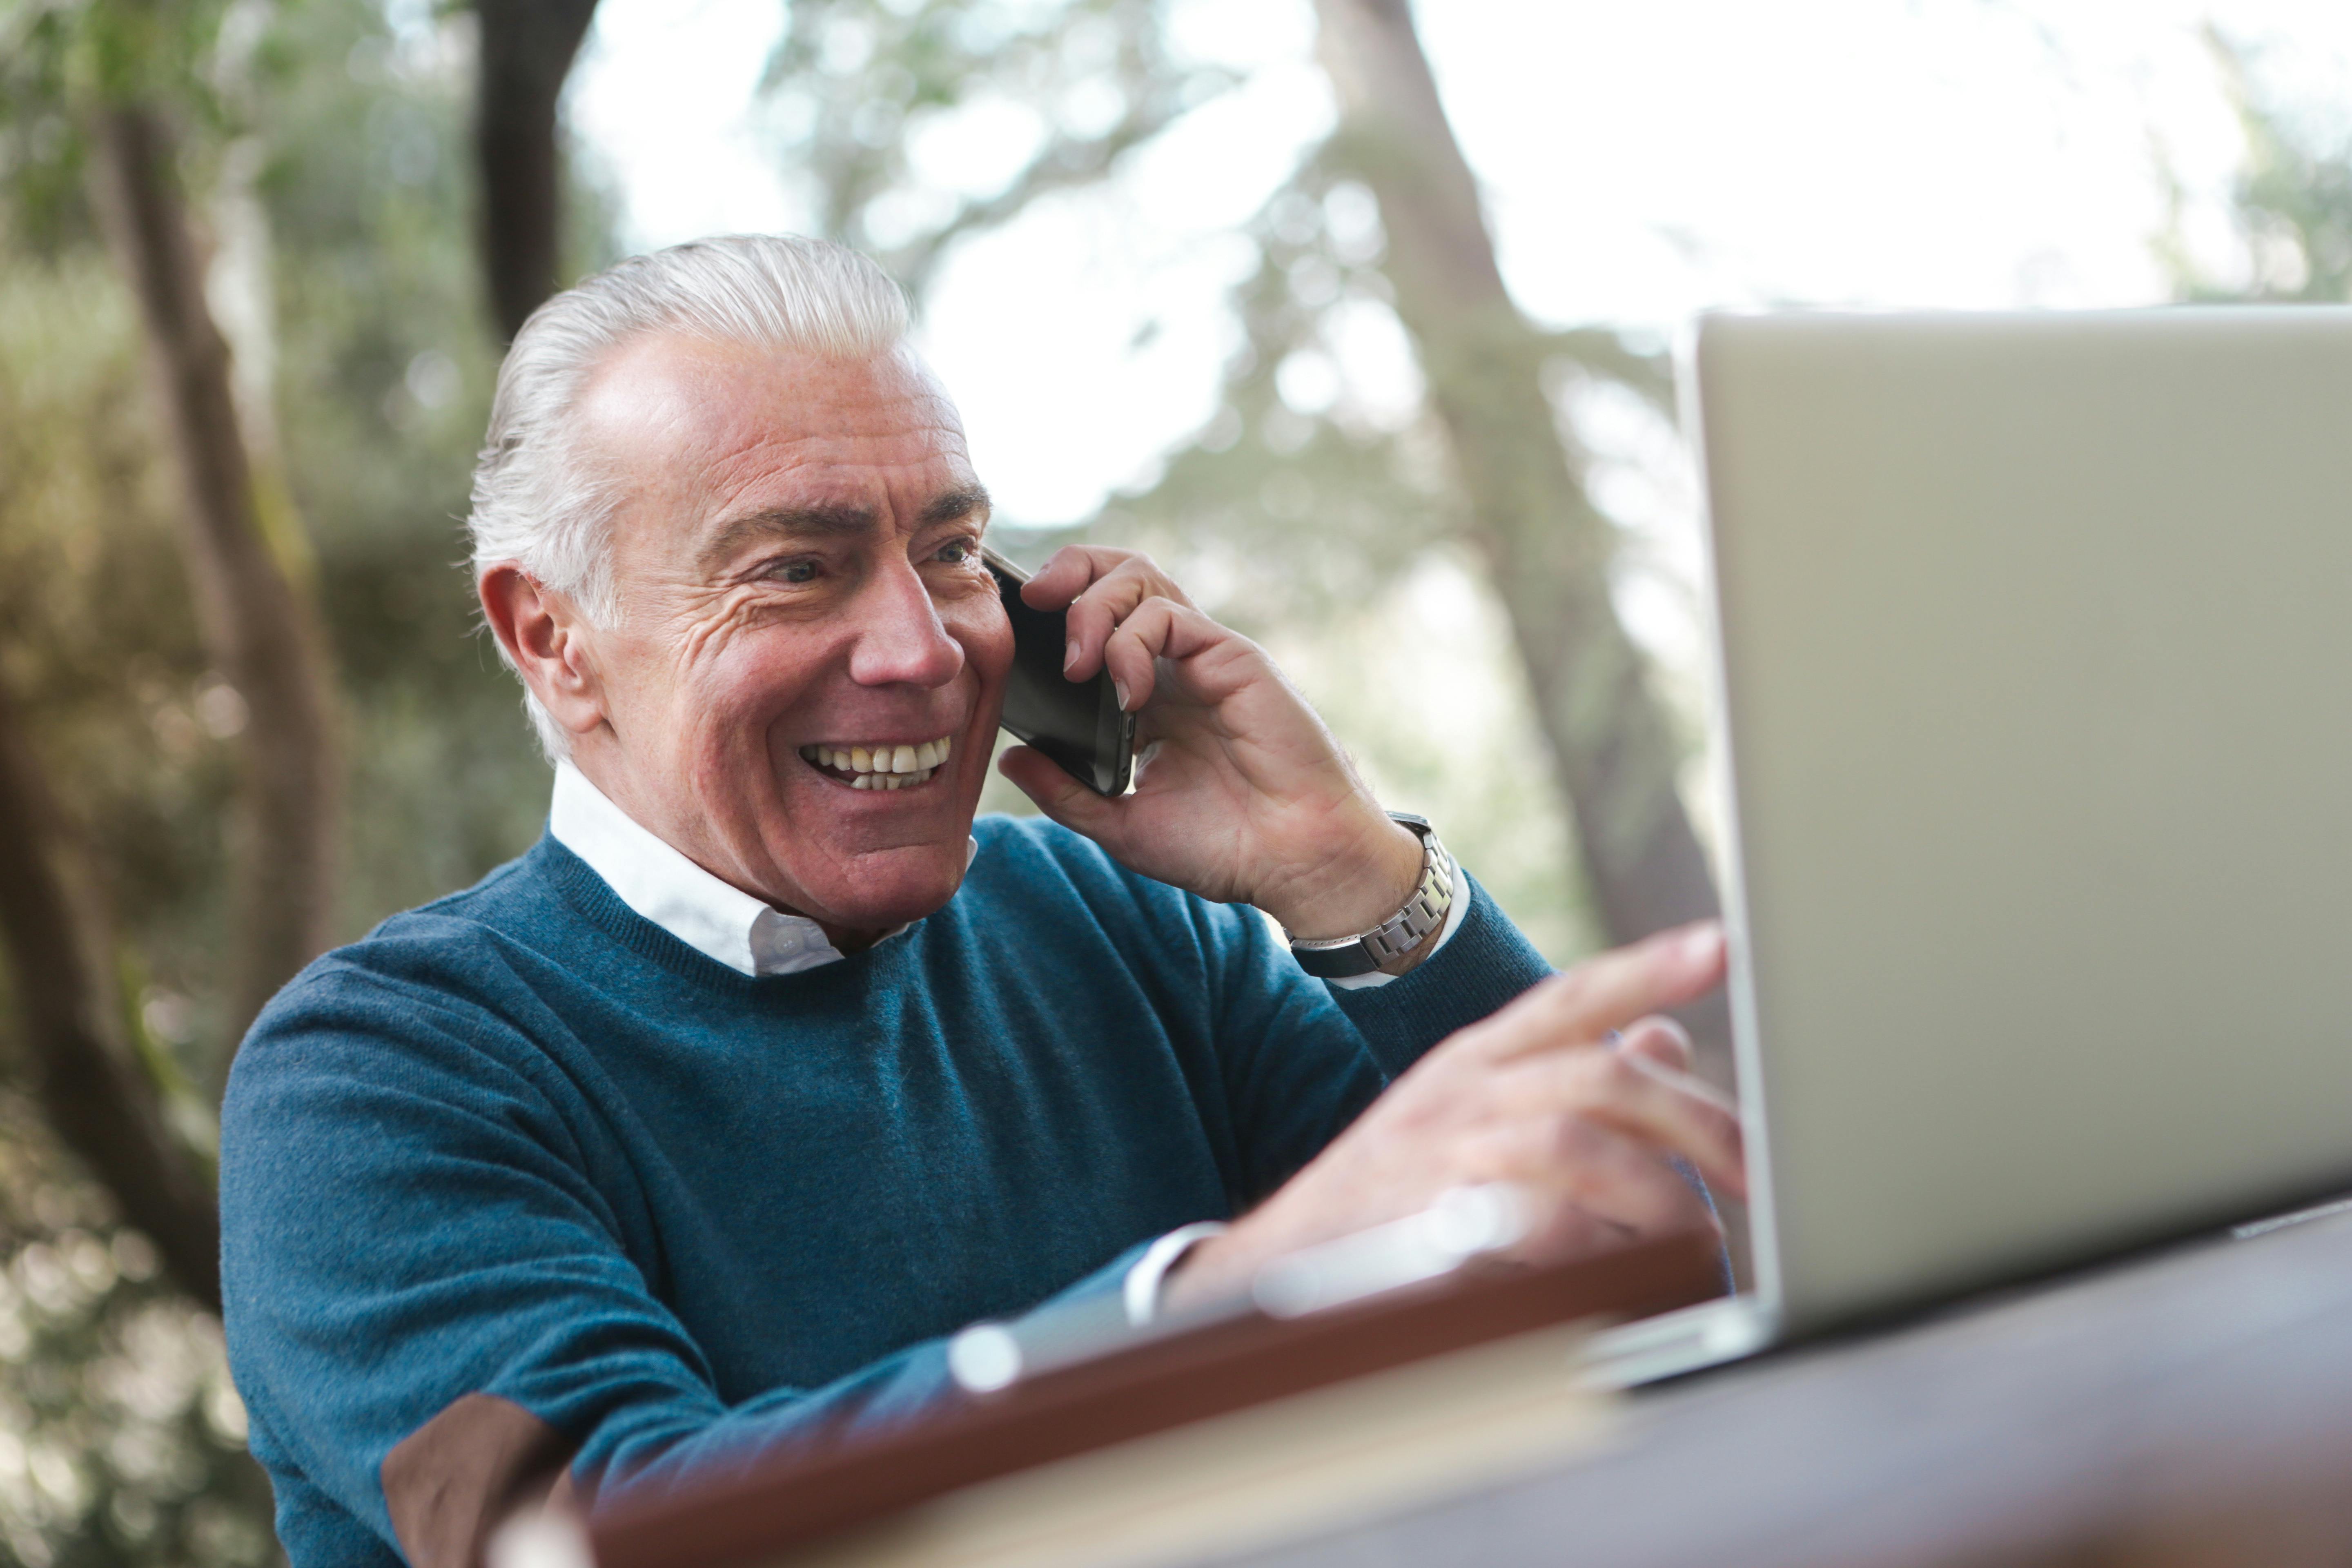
{"type": "Point", "coordinates": [1549, 550]}
{"type": "Point", "coordinates": [527, 48]}
{"type": "Point", "coordinates": [1546, 546]}
{"type": "Point", "coordinates": [259, 631]}
{"type": "Point", "coordinates": [100, 1104]}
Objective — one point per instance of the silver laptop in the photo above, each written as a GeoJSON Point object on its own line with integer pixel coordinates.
{"type": "Point", "coordinates": [2036, 643]}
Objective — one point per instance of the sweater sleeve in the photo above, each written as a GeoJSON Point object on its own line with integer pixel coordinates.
{"type": "Point", "coordinates": [410, 1216]}
{"type": "Point", "coordinates": [1485, 965]}
{"type": "Point", "coordinates": [1302, 1058]}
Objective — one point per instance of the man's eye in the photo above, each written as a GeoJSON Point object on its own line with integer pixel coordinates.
{"type": "Point", "coordinates": [795, 572]}
{"type": "Point", "coordinates": [957, 552]}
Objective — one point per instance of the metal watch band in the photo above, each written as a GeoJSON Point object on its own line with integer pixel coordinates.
{"type": "Point", "coordinates": [1344, 957]}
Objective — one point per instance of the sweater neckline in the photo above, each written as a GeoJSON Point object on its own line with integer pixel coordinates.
{"type": "Point", "coordinates": [593, 899]}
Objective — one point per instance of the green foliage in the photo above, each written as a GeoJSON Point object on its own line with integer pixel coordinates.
{"type": "Point", "coordinates": [60, 60]}
{"type": "Point", "coordinates": [2291, 203]}
{"type": "Point", "coordinates": [384, 372]}
{"type": "Point", "coordinates": [357, 156]}
{"type": "Point", "coordinates": [854, 83]}
{"type": "Point", "coordinates": [121, 1436]}
{"type": "Point", "coordinates": [1329, 529]}
{"type": "Point", "coordinates": [97, 637]}
{"type": "Point", "coordinates": [350, 147]}
{"type": "Point", "coordinates": [1287, 511]}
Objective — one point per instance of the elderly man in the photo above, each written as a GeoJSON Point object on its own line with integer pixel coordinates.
{"type": "Point", "coordinates": [693, 1131]}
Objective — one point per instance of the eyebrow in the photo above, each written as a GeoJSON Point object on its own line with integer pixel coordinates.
{"type": "Point", "coordinates": [785, 523]}
{"type": "Point", "coordinates": [952, 506]}
{"type": "Point", "coordinates": [788, 523]}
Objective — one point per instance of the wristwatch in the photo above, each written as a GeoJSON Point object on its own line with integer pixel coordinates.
{"type": "Point", "coordinates": [1344, 957]}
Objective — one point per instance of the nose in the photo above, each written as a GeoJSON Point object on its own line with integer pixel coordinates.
{"type": "Point", "coordinates": [900, 640]}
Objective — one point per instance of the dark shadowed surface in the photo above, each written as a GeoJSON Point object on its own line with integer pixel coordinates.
{"type": "Point", "coordinates": [2188, 1410]}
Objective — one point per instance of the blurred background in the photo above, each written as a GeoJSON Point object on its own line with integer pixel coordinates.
{"type": "Point", "coordinates": [1364, 327]}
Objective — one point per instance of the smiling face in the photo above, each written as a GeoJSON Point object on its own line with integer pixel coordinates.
{"type": "Point", "coordinates": [802, 685]}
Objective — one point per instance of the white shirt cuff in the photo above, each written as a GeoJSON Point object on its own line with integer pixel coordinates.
{"type": "Point", "coordinates": [1455, 916]}
{"type": "Point", "coordinates": [1143, 1279]}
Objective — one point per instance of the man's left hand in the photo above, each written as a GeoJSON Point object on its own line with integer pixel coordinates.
{"type": "Point", "coordinates": [1241, 794]}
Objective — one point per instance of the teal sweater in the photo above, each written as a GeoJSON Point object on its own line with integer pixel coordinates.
{"type": "Point", "coordinates": [522, 1142]}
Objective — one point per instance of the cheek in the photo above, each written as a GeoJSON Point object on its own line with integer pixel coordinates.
{"type": "Point", "coordinates": [981, 627]}
{"type": "Point", "coordinates": [986, 635]}
{"type": "Point", "coordinates": [742, 684]}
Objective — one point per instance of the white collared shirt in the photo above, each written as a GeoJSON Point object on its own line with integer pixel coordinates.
{"type": "Point", "coordinates": [711, 916]}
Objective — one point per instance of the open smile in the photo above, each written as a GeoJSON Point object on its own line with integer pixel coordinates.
{"type": "Point", "coordinates": [890, 765]}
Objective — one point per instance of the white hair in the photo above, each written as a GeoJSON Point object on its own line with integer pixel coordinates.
{"type": "Point", "coordinates": [536, 501]}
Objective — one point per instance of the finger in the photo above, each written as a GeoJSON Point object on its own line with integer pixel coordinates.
{"type": "Point", "coordinates": [1058, 795]}
{"type": "Point", "coordinates": [1561, 1230]}
{"type": "Point", "coordinates": [1660, 1040]}
{"type": "Point", "coordinates": [1161, 628]}
{"type": "Point", "coordinates": [1588, 1170]}
{"type": "Point", "coordinates": [1667, 1109]}
{"type": "Point", "coordinates": [1073, 581]}
{"type": "Point", "coordinates": [1096, 588]}
{"type": "Point", "coordinates": [1097, 614]}
{"type": "Point", "coordinates": [1602, 994]}
{"type": "Point", "coordinates": [1068, 573]}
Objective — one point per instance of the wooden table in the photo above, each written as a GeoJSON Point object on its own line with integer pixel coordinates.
{"type": "Point", "coordinates": [2191, 1409]}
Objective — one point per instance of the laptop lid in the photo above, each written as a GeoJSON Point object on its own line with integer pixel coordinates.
{"type": "Point", "coordinates": [2036, 635]}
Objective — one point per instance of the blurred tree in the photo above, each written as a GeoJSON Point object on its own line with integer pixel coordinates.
{"type": "Point", "coordinates": [855, 81]}
{"type": "Point", "coordinates": [122, 1440]}
{"type": "Point", "coordinates": [102, 1100]}
{"type": "Point", "coordinates": [243, 549]}
{"type": "Point", "coordinates": [323, 178]}
{"type": "Point", "coordinates": [2290, 203]}
{"type": "Point", "coordinates": [114, 73]}
{"type": "Point", "coordinates": [1548, 548]}
{"type": "Point", "coordinates": [527, 48]}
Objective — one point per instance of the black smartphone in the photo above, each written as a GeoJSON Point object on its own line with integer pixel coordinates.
{"type": "Point", "coordinates": [1077, 723]}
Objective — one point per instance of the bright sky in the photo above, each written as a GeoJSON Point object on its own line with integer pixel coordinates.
{"type": "Point", "coordinates": [1642, 162]}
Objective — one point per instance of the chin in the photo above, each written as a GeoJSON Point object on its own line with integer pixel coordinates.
{"type": "Point", "coordinates": [894, 887]}
{"type": "Point", "coordinates": [896, 855]}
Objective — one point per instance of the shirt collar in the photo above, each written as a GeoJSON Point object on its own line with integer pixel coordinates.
{"type": "Point", "coordinates": [709, 915]}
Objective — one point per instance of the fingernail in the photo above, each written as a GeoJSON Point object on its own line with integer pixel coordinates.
{"type": "Point", "coordinates": [1070, 657]}
{"type": "Point", "coordinates": [1704, 941]}
{"type": "Point", "coordinates": [1612, 1040]}
{"type": "Point", "coordinates": [1120, 686]}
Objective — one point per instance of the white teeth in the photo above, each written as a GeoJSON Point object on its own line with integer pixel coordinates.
{"type": "Point", "coordinates": [884, 767]}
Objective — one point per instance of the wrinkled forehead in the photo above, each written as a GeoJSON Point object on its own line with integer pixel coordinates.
{"type": "Point", "coordinates": [702, 429]}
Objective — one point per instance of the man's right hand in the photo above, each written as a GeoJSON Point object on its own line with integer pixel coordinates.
{"type": "Point", "coordinates": [1576, 1093]}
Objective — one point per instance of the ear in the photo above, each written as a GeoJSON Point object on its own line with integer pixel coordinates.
{"type": "Point", "coordinates": [547, 637]}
